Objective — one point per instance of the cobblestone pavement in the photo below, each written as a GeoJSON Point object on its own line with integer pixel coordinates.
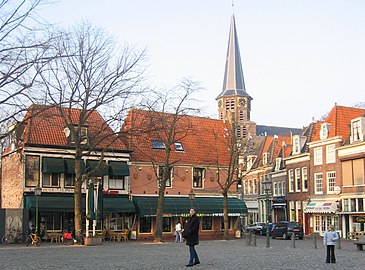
{"type": "Point", "coordinates": [214, 254]}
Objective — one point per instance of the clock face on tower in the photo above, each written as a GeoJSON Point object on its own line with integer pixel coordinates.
{"type": "Point", "coordinates": [242, 101]}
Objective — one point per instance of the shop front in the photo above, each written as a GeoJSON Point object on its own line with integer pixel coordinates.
{"type": "Point", "coordinates": [208, 209]}
{"type": "Point", "coordinates": [56, 213]}
{"type": "Point", "coordinates": [322, 214]}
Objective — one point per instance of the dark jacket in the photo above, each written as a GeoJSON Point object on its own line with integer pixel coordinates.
{"type": "Point", "coordinates": [191, 231]}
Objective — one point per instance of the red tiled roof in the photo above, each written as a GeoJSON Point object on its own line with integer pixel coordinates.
{"type": "Point", "coordinates": [203, 139]}
{"type": "Point", "coordinates": [45, 126]}
{"type": "Point", "coordinates": [340, 119]}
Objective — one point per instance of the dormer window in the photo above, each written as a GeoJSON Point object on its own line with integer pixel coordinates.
{"type": "Point", "coordinates": [179, 147]}
{"type": "Point", "coordinates": [323, 134]}
{"type": "Point", "coordinates": [277, 164]}
{"type": "Point", "coordinates": [158, 144]}
{"type": "Point", "coordinates": [296, 145]}
{"type": "Point", "coordinates": [71, 135]}
{"type": "Point", "coordinates": [250, 161]}
{"type": "Point", "coordinates": [357, 129]}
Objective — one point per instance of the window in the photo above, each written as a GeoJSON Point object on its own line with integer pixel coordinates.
{"type": "Point", "coordinates": [232, 103]}
{"type": "Point", "coordinates": [198, 177]}
{"type": "Point", "coordinates": [297, 180]}
{"type": "Point", "coordinates": [317, 223]}
{"type": "Point", "coordinates": [166, 224]}
{"type": "Point", "coordinates": [358, 167]}
{"type": "Point", "coordinates": [207, 223]}
{"type": "Point", "coordinates": [331, 180]}
{"type": "Point", "coordinates": [347, 173]}
{"type": "Point", "coordinates": [227, 104]}
{"type": "Point", "coordinates": [264, 158]}
{"type": "Point", "coordinates": [242, 117]}
{"type": "Point", "coordinates": [304, 179]}
{"type": "Point", "coordinates": [170, 177]}
{"type": "Point", "coordinates": [277, 164]}
{"type": "Point", "coordinates": [279, 192]}
{"type": "Point", "coordinates": [245, 187]}
{"type": "Point", "coordinates": [255, 186]}
{"type": "Point", "coordinates": [69, 179]}
{"type": "Point", "coordinates": [158, 145]}
{"type": "Point", "coordinates": [296, 148]}
{"type": "Point", "coordinates": [53, 221]}
{"type": "Point", "coordinates": [179, 146]}
{"type": "Point", "coordinates": [250, 188]}
{"type": "Point", "coordinates": [145, 225]}
{"type": "Point", "coordinates": [31, 171]}
{"type": "Point", "coordinates": [318, 179]}
{"type": "Point", "coordinates": [356, 127]}
{"type": "Point", "coordinates": [238, 131]}
{"type": "Point", "coordinates": [318, 156]}
{"type": "Point", "coordinates": [330, 154]}
{"type": "Point", "coordinates": [275, 189]}
{"type": "Point", "coordinates": [83, 134]}
{"type": "Point", "coordinates": [244, 131]}
{"type": "Point", "coordinates": [51, 179]}
{"type": "Point", "coordinates": [117, 182]}
{"type": "Point", "coordinates": [291, 180]}
{"type": "Point", "coordinates": [250, 161]}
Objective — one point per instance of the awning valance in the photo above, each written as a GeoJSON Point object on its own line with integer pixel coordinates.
{"type": "Point", "coordinates": [70, 166]}
{"type": "Point", "coordinates": [118, 168]}
{"type": "Point", "coordinates": [53, 165]}
{"type": "Point", "coordinates": [118, 204]}
{"type": "Point", "coordinates": [321, 207]}
{"type": "Point", "coordinates": [179, 206]}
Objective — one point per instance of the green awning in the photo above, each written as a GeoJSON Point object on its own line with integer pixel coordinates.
{"type": "Point", "coordinates": [118, 204]}
{"type": "Point", "coordinates": [179, 206]}
{"type": "Point", "coordinates": [53, 165]}
{"type": "Point", "coordinates": [52, 203]}
{"type": "Point", "coordinates": [66, 204]}
{"type": "Point", "coordinates": [70, 166]}
{"type": "Point", "coordinates": [101, 170]}
{"type": "Point", "coordinates": [118, 168]}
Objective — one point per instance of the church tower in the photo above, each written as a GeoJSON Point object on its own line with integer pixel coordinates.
{"type": "Point", "coordinates": [234, 103]}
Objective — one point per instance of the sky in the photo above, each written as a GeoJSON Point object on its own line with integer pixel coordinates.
{"type": "Point", "coordinates": [299, 57]}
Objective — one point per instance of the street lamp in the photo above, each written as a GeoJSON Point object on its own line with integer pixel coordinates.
{"type": "Point", "coordinates": [267, 187]}
{"type": "Point", "coordinates": [37, 193]}
{"type": "Point", "coordinates": [191, 198]}
{"type": "Point", "coordinates": [337, 191]}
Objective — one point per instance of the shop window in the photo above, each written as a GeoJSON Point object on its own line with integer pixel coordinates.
{"type": "Point", "coordinates": [31, 171]}
{"type": "Point", "coordinates": [317, 223]}
{"type": "Point", "coordinates": [117, 221]}
{"type": "Point", "coordinates": [166, 224]}
{"type": "Point", "coordinates": [198, 177]}
{"type": "Point", "coordinates": [117, 182]}
{"type": "Point", "coordinates": [207, 223]}
{"type": "Point", "coordinates": [51, 179]}
{"type": "Point", "coordinates": [145, 225]}
{"type": "Point", "coordinates": [222, 223]}
{"type": "Point", "coordinates": [70, 179]}
{"type": "Point", "coordinates": [53, 221]}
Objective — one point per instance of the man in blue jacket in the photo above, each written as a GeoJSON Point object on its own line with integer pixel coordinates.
{"type": "Point", "coordinates": [329, 239]}
{"type": "Point", "coordinates": [191, 235]}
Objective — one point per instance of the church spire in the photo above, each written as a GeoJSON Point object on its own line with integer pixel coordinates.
{"type": "Point", "coordinates": [233, 82]}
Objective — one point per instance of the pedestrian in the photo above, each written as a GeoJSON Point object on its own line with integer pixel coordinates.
{"type": "Point", "coordinates": [191, 235]}
{"type": "Point", "coordinates": [329, 240]}
{"type": "Point", "coordinates": [178, 236]}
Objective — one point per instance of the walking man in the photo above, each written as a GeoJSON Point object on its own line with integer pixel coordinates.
{"type": "Point", "coordinates": [329, 239]}
{"type": "Point", "coordinates": [191, 234]}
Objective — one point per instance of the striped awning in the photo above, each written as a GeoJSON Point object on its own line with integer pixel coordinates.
{"type": "Point", "coordinates": [321, 207]}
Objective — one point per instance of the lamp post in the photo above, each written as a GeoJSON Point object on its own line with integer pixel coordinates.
{"type": "Point", "coordinates": [267, 187]}
{"type": "Point", "coordinates": [191, 198]}
{"type": "Point", "coordinates": [337, 191]}
{"type": "Point", "coordinates": [37, 193]}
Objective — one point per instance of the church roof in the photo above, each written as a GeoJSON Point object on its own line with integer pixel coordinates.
{"type": "Point", "coordinates": [233, 83]}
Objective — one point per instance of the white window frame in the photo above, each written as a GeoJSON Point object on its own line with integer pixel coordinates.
{"type": "Point", "coordinates": [297, 180]}
{"type": "Point", "coordinates": [264, 158]}
{"type": "Point", "coordinates": [330, 153]}
{"type": "Point", "coordinates": [317, 156]}
{"type": "Point", "coordinates": [254, 184]}
{"type": "Point", "coordinates": [304, 178]}
{"type": "Point", "coordinates": [318, 183]}
{"type": "Point", "coordinates": [296, 145]}
{"type": "Point", "coordinates": [291, 180]}
{"type": "Point", "coordinates": [356, 130]}
{"type": "Point", "coordinates": [277, 164]}
{"type": "Point", "coordinates": [275, 189]}
{"type": "Point", "coordinates": [330, 185]}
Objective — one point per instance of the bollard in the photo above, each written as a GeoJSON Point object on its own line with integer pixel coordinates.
{"type": "Point", "coordinates": [293, 240]}
{"type": "Point", "coordinates": [254, 240]}
{"type": "Point", "coordinates": [315, 240]}
{"type": "Point", "coordinates": [339, 242]}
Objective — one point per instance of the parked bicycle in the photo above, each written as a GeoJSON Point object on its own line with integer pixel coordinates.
{"type": "Point", "coordinates": [33, 239]}
{"type": "Point", "coordinates": [14, 237]}
{"type": "Point", "coordinates": [218, 234]}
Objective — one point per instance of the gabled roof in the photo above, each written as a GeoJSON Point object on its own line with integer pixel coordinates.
{"type": "Point", "coordinates": [340, 120]}
{"type": "Point", "coordinates": [233, 82]}
{"type": "Point", "coordinates": [203, 139]}
{"type": "Point", "coordinates": [262, 130]}
{"type": "Point", "coordinates": [44, 126]}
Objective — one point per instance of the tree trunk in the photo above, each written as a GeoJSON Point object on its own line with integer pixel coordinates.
{"type": "Point", "coordinates": [159, 216]}
{"type": "Point", "coordinates": [225, 214]}
{"type": "Point", "coordinates": [78, 201]}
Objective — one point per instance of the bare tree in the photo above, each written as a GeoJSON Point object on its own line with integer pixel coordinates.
{"type": "Point", "coordinates": [166, 120]}
{"type": "Point", "coordinates": [93, 75]}
{"type": "Point", "coordinates": [25, 47]}
{"type": "Point", "coordinates": [229, 167]}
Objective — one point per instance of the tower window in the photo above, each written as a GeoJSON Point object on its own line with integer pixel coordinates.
{"type": "Point", "coordinates": [227, 104]}
{"type": "Point", "coordinates": [232, 103]}
{"type": "Point", "coordinates": [244, 132]}
{"type": "Point", "coordinates": [238, 132]}
{"type": "Point", "coordinates": [241, 115]}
